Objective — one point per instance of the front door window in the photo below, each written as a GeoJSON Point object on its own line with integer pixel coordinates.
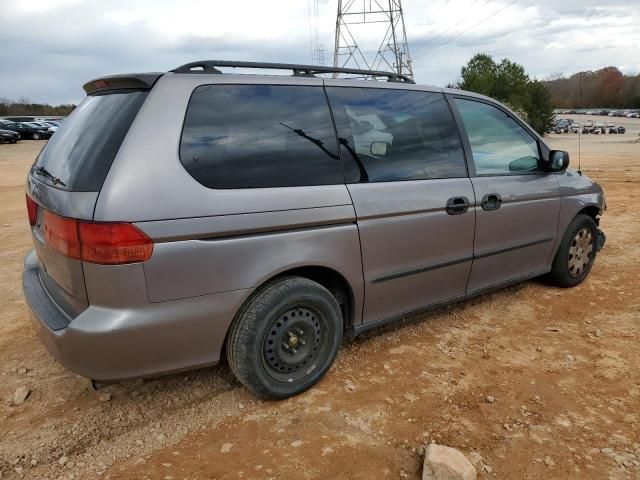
{"type": "Point", "coordinates": [500, 146]}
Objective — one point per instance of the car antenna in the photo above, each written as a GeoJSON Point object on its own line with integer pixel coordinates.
{"type": "Point", "coordinates": [581, 124]}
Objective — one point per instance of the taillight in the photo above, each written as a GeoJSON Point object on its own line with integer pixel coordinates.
{"type": "Point", "coordinates": [104, 243]}
{"type": "Point", "coordinates": [61, 234]}
{"type": "Point", "coordinates": [113, 243]}
{"type": "Point", "coordinates": [32, 210]}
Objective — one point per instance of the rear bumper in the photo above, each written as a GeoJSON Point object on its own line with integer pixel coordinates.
{"type": "Point", "coordinates": [109, 344]}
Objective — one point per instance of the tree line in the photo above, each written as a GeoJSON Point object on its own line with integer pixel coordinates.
{"type": "Point", "coordinates": [604, 88]}
{"type": "Point", "coordinates": [508, 82]}
{"type": "Point", "coordinates": [25, 107]}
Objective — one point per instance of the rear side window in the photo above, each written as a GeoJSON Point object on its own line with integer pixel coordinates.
{"type": "Point", "coordinates": [252, 136]}
{"type": "Point", "coordinates": [392, 135]}
{"type": "Point", "coordinates": [82, 150]}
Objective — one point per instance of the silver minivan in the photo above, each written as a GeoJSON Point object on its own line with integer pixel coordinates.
{"type": "Point", "coordinates": [184, 216]}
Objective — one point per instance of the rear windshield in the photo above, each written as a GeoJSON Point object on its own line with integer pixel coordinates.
{"type": "Point", "coordinates": [82, 150]}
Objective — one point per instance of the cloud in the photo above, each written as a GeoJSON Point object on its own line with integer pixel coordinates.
{"type": "Point", "coordinates": [50, 48]}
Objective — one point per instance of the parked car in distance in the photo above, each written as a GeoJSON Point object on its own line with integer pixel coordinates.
{"type": "Point", "coordinates": [180, 216]}
{"type": "Point", "coordinates": [38, 124]}
{"type": "Point", "coordinates": [599, 128]}
{"type": "Point", "coordinates": [562, 125]}
{"type": "Point", "coordinates": [19, 119]}
{"type": "Point", "coordinates": [51, 126]}
{"type": "Point", "coordinates": [26, 130]}
{"type": "Point", "coordinates": [9, 136]}
{"type": "Point", "coordinates": [621, 130]}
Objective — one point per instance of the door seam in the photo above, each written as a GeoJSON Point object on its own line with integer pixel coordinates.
{"type": "Point", "coordinates": [475, 230]}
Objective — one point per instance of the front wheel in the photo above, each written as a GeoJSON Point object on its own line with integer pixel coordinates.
{"type": "Point", "coordinates": [36, 136]}
{"type": "Point", "coordinates": [285, 338]}
{"type": "Point", "coordinates": [576, 254]}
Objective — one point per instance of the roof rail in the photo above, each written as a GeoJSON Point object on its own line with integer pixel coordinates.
{"type": "Point", "coordinates": [208, 66]}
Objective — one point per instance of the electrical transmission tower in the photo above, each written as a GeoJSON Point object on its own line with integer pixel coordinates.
{"type": "Point", "coordinates": [393, 50]}
{"type": "Point", "coordinates": [319, 55]}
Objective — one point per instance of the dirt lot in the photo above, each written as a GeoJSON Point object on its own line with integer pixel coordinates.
{"type": "Point", "coordinates": [562, 366]}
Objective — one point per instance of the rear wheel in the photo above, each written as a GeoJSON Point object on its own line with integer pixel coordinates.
{"type": "Point", "coordinates": [285, 338]}
{"type": "Point", "coordinates": [576, 253]}
{"type": "Point", "coordinates": [36, 136]}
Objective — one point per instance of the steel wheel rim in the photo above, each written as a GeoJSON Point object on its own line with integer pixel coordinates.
{"type": "Point", "coordinates": [580, 252]}
{"type": "Point", "coordinates": [294, 343]}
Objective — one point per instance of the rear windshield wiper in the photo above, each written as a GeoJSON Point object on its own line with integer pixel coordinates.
{"type": "Point", "coordinates": [45, 173]}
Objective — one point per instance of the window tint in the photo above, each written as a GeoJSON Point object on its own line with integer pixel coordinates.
{"type": "Point", "coordinates": [498, 143]}
{"type": "Point", "coordinates": [248, 136]}
{"type": "Point", "coordinates": [81, 152]}
{"type": "Point", "coordinates": [390, 135]}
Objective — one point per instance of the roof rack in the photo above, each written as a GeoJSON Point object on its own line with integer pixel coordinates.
{"type": "Point", "coordinates": [208, 66]}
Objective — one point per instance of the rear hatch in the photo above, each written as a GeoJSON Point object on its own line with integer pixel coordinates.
{"type": "Point", "coordinates": [63, 187]}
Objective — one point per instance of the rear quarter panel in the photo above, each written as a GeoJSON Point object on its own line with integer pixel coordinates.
{"type": "Point", "coordinates": [237, 252]}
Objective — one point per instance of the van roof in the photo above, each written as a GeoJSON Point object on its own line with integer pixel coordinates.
{"type": "Point", "coordinates": [147, 80]}
{"type": "Point", "coordinates": [208, 66]}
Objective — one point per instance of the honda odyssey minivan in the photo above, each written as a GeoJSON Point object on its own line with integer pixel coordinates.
{"type": "Point", "coordinates": [181, 216]}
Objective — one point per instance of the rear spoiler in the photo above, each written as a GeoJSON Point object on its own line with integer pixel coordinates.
{"type": "Point", "coordinates": [135, 81]}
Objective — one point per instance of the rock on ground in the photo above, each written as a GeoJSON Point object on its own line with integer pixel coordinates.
{"type": "Point", "coordinates": [21, 395]}
{"type": "Point", "coordinates": [446, 463]}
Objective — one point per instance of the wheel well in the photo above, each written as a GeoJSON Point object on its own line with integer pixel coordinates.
{"type": "Point", "coordinates": [592, 211]}
{"type": "Point", "coordinates": [332, 281]}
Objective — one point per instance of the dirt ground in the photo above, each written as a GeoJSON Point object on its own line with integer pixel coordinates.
{"type": "Point", "coordinates": [561, 366]}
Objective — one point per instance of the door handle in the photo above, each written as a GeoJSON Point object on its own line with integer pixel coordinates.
{"type": "Point", "coordinates": [457, 205]}
{"type": "Point", "coordinates": [491, 201]}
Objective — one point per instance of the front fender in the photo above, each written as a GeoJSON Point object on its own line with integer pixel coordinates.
{"type": "Point", "coordinates": [578, 193]}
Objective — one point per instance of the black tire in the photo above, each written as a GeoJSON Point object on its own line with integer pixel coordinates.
{"type": "Point", "coordinates": [285, 338]}
{"type": "Point", "coordinates": [570, 269]}
{"type": "Point", "coordinates": [35, 136]}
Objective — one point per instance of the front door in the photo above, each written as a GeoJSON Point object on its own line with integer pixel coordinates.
{"type": "Point", "coordinates": [405, 170]}
{"type": "Point", "coordinates": [517, 205]}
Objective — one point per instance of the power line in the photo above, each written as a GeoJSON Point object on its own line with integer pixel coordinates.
{"type": "Point", "coordinates": [445, 31]}
{"type": "Point", "coordinates": [441, 6]}
{"type": "Point", "coordinates": [468, 29]}
{"type": "Point", "coordinates": [317, 22]}
{"type": "Point", "coordinates": [310, 28]}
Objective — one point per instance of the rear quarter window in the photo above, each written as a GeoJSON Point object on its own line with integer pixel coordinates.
{"type": "Point", "coordinates": [254, 136]}
{"type": "Point", "coordinates": [82, 150]}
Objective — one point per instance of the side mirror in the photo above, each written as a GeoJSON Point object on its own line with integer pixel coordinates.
{"type": "Point", "coordinates": [379, 149]}
{"type": "Point", "coordinates": [558, 161]}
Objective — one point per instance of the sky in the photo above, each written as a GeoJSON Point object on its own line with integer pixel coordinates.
{"type": "Point", "coordinates": [50, 48]}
